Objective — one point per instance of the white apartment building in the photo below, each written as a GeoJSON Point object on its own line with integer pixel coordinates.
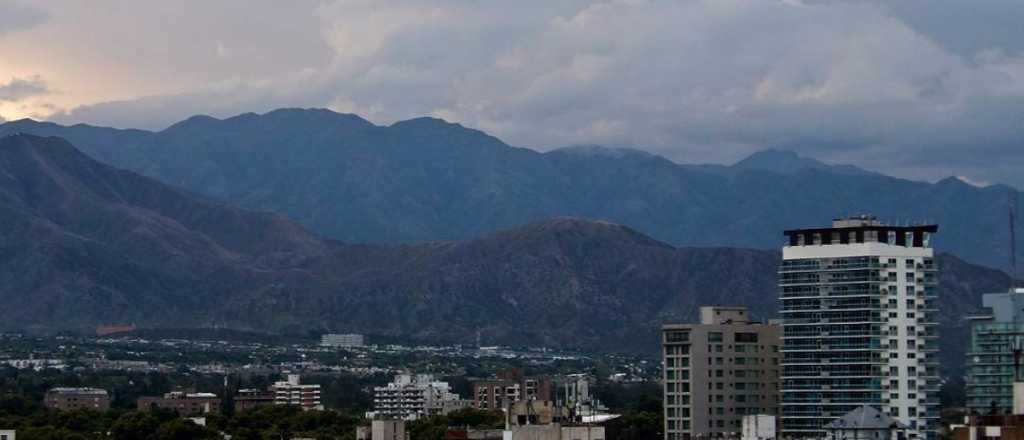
{"type": "Point", "coordinates": [859, 325]}
{"type": "Point", "coordinates": [293, 392]}
{"type": "Point", "coordinates": [409, 397]}
{"type": "Point", "coordinates": [347, 340]}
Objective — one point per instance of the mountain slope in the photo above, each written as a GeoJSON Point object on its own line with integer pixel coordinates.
{"type": "Point", "coordinates": [425, 179]}
{"type": "Point", "coordinates": [82, 243]}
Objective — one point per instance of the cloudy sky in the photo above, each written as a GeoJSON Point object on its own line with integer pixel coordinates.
{"type": "Point", "coordinates": [916, 88]}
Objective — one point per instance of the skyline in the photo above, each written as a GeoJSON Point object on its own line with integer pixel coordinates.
{"type": "Point", "coordinates": [914, 92]}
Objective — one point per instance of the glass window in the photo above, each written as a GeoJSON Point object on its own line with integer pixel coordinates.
{"type": "Point", "coordinates": [746, 338]}
{"type": "Point", "coordinates": [677, 336]}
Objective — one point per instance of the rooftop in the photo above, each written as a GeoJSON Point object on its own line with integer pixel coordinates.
{"type": "Point", "coordinates": [73, 390]}
{"type": "Point", "coordinates": [866, 418]}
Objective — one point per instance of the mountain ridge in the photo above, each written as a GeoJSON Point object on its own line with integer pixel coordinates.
{"type": "Point", "coordinates": [83, 244]}
{"type": "Point", "coordinates": [426, 179]}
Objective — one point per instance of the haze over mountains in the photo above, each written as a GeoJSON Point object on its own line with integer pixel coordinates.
{"type": "Point", "coordinates": [425, 179]}
{"type": "Point", "coordinates": [84, 243]}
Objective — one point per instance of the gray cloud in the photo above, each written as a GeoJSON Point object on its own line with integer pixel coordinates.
{"type": "Point", "coordinates": [18, 89]}
{"type": "Point", "coordinates": [698, 81]}
{"type": "Point", "coordinates": [15, 16]}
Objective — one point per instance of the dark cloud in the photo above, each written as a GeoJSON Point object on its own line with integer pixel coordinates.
{"type": "Point", "coordinates": [868, 83]}
{"type": "Point", "coordinates": [18, 89]}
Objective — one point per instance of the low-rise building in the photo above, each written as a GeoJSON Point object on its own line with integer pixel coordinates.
{"type": "Point", "coordinates": [1003, 427]}
{"type": "Point", "coordinates": [7, 434]}
{"type": "Point", "coordinates": [865, 422]}
{"type": "Point", "coordinates": [496, 394]}
{"type": "Point", "coordinates": [510, 386]}
{"type": "Point", "coordinates": [474, 434]}
{"type": "Point", "coordinates": [183, 403]}
{"type": "Point", "coordinates": [537, 412]}
{"type": "Point", "coordinates": [77, 398]}
{"type": "Point", "coordinates": [348, 340]}
{"type": "Point", "coordinates": [382, 430]}
{"type": "Point", "coordinates": [553, 431]}
{"type": "Point", "coordinates": [35, 364]}
{"type": "Point", "coordinates": [410, 397]}
{"type": "Point", "coordinates": [246, 399]}
{"type": "Point", "coordinates": [292, 392]}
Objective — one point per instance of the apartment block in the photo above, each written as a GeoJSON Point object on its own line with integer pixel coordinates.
{"type": "Point", "coordinates": [348, 340]}
{"type": "Point", "coordinates": [410, 397]}
{"type": "Point", "coordinates": [186, 404]}
{"type": "Point", "coordinates": [994, 357]}
{"type": "Point", "coordinates": [718, 371]}
{"type": "Point", "coordinates": [77, 398]}
{"type": "Point", "coordinates": [292, 392]}
{"type": "Point", "coordinates": [859, 325]}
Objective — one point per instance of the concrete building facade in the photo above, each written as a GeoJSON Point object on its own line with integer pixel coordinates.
{"type": "Point", "coordinates": [382, 430]}
{"type": "Point", "coordinates": [291, 391]}
{"type": "Point", "coordinates": [247, 399]}
{"type": "Point", "coordinates": [77, 398]}
{"type": "Point", "coordinates": [859, 325]}
{"type": "Point", "coordinates": [994, 357]}
{"type": "Point", "coordinates": [347, 340]}
{"type": "Point", "coordinates": [717, 371]}
{"type": "Point", "coordinates": [186, 404]}
{"type": "Point", "coordinates": [510, 386]}
{"type": "Point", "coordinates": [410, 397]}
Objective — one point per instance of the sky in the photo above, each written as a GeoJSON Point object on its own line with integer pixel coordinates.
{"type": "Point", "coordinates": [922, 89]}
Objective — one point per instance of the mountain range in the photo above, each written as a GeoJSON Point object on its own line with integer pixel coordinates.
{"type": "Point", "coordinates": [425, 179]}
{"type": "Point", "coordinates": [83, 243]}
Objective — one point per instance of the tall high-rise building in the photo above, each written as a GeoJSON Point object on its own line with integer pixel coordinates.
{"type": "Point", "coordinates": [718, 371]}
{"type": "Point", "coordinates": [995, 358]}
{"type": "Point", "coordinates": [859, 325]}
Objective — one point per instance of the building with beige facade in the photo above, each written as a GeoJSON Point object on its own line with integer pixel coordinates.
{"type": "Point", "coordinates": [717, 371]}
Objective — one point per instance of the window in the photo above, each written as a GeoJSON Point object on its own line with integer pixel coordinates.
{"type": "Point", "coordinates": [910, 277]}
{"type": "Point", "coordinates": [910, 263]}
{"type": "Point", "coordinates": [677, 336]}
{"type": "Point", "coordinates": [746, 338]}
{"type": "Point", "coordinates": [715, 337]}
